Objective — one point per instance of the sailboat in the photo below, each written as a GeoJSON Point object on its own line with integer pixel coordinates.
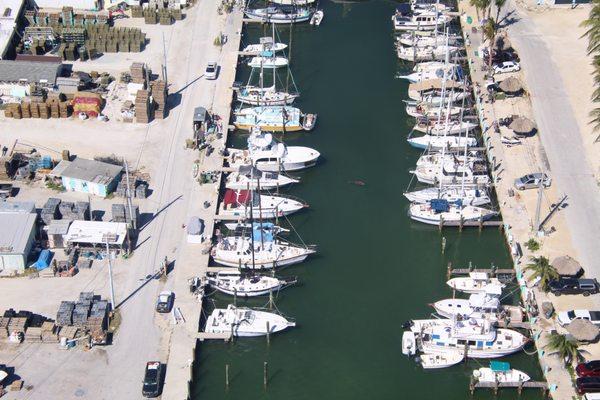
{"type": "Point", "coordinates": [236, 283]}
{"type": "Point", "coordinates": [439, 211]}
{"type": "Point", "coordinates": [425, 111]}
{"type": "Point", "coordinates": [453, 172]}
{"type": "Point", "coordinates": [264, 44]}
{"type": "Point", "coordinates": [448, 127]}
{"type": "Point", "coordinates": [452, 72]}
{"type": "Point", "coordinates": [412, 39]}
{"type": "Point", "coordinates": [241, 204]}
{"type": "Point", "coordinates": [274, 119]}
{"type": "Point", "coordinates": [468, 196]}
{"type": "Point", "coordinates": [436, 143]}
{"type": "Point", "coordinates": [251, 178]}
{"type": "Point", "coordinates": [279, 15]}
{"type": "Point", "coordinates": [425, 53]}
{"type": "Point", "coordinates": [245, 322]}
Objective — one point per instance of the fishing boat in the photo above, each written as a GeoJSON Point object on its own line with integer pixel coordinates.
{"type": "Point", "coordinates": [279, 15]}
{"type": "Point", "coordinates": [500, 372]}
{"type": "Point", "coordinates": [245, 322]}
{"type": "Point", "coordinates": [251, 178]}
{"type": "Point", "coordinates": [425, 21]}
{"type": "Point", "coordinates": [436, 143]}
{"type": "Point", "coordinates": [473, 338]}
{"type": "Point", "coordinates": [412, 39]}
{"type": "Point", "coordinates": [235, 283]}
{"type": "Point", "coordinates": [269, 155]}
{"type": "Point", "coordinates": [426, 111]}
{"type": "Point", "coordinates": [468, 196]}
{"type": "Point", "coordinates": [478, 305]}
{"type": "Point", "coordinates": [269, 96]}
{"type": "Point", "coordinates": [477, 282]}
{"type": "Point", "coordinates": [274, 119]}
{"type": "Point", "coordinates": [242, 204]}
{"type": "Point", "coordinates": [409, 343]}
{"type": "Point", "coordinates": [259, 250]}
{"type": "Point", "coordinates": [441, 211]}
{"type": "Point", "coordinates": [426, 53]}
{"type": "Point", "coordinates": [268, 59]}
{"type": "Point", "coordinates": [453, 172]}
{"type": "Point", "coordinates": [317, 18]}
{"type": "Point", "coordinates": [444, 127]}
{"type": "Point", "coordinates": [443, 360]}
{"type": "Point", "coordinates": [264, 44]}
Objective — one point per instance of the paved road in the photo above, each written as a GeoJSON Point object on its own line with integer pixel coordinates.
{"type": "Point", "coordinates": [561, 139]}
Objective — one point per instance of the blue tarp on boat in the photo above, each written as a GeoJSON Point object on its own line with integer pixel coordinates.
{"type": "Point", "coordinates": [43, 260]}
{"type": "Point", "coordinates": [440, 205]}
{"type": "Point", "coordinates": [262, 235]}
{"type": "Point", "coordinates": [499, 366]}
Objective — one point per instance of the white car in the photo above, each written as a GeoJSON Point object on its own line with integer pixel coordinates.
{"type": "Point", "coordinates": [566, 317]}
{"type": "Point", "coordinates": [212, 70]}
{"type": "Point", "coordinates": [506, 66]}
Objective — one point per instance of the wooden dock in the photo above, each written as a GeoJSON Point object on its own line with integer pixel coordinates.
{"type": "Point", "coordinates": [490, 271]}
{"type": "Point", "coordinates": [515, 324]}
{"type": "Point", "coordinates": [202, 336]}
{"type": "Point", "coordinates": [477, 224]}
{"type": "Point", "coordinates": [495, 386]}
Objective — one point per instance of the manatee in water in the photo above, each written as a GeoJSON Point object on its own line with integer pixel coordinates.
{"type": "Point", "coordinates": [358, 182]}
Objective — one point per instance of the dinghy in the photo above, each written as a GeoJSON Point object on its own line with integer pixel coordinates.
{"type": "Point", "coordinates": [443, 360]}
{"type": "Point", "coordinates": [245, 322]}
{"type": "Point", "coordinates": [317, 18]}
{"type": "Point", "coordinates": [238, 284]}
{"type": "Point", "coordinates": [477, 282]}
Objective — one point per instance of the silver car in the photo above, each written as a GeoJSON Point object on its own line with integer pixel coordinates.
{"type": "Point", "coordinates": [532, 181]}
{"type": "Point", "coordinates": [212, 70]}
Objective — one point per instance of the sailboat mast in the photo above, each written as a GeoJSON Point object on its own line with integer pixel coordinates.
{"type": "Point", "coordinates": [251, 219]}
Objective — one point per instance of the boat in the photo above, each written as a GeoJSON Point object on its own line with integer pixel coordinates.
{"type": "Point", "coordinates": [453, 73]}
{"type": "Point", "coordinates": [267, 59]}
{"type": "Point", "coordinates": [274, 119]}
{"type": "Point", "coordinates": [241, 228]}
{"type": "Point", "coordinates": [265, 44]}
{"type": "Point", "coordinates": [500, 372]}
{"type": "Point", "coordinates": [427, 111]}
{"type": "Point", "coordinates": [443, 360]}
{"type": "Point", "coordinates": [411, 39]}
{"type": "Point", "coordinates": [415, 5]}
{"type": "Point", "coordinates": [258, 250]}
{"type": "Point", "coordinates": [440, 211]}
{"type": "Point", "coordinates": [242, 204]}
{"type": "Point", "coordinates": [269, 96]}
{"type": "Point", "coordinates": [453, 172]}
{"type": "Point", "coordinates": [268, 155]}
{"type": "Point", "coordinates": [431, 159]}
{"type": "Point", "coordinates": [294, 3]}
{"type": "Point", "coordinates": [477, 282]}
{"type": "Point", "coordinates": [468, 196]}
{"type": "Point", "coordinates": [445, 127]}
{"type": "Point", "coordinates": [235, 283]}
{"type": "Point", "coordinates": [425, 21]}
{"type": "Point", "coordinates": [317, 18]}
{"type": "Point", "coordinates": [478, 305]}
{"type": "Point", "coordinates": [433, 65]}
{"type": "Point", "coordinates": [427, 53]}
{"type": "Point", "coordinates": [472, 338]}
{"type": "Point", "coordinates": [409, 343]}
{"type": "Point", "coordinates": [279, 15]}
{"type": "Point", "coordinates": [436, 143]}
{"type": "Point", "coordinates": [245, 322]}
{"type": "Point", "coordinates": [251, 178]}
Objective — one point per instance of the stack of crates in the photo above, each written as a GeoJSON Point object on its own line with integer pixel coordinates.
{"type": "Point", "coordinates": [142, 107]}
{"type": "Point", "coordinates": [64, 316]}
{"type": "Point", "coordinates": [138, 72]}
{"type": "Point", "coordinates": [26, 110]}
{"type": "Point", "coordinates": [118, 212]}
{"type": "Point", "coordinates": [49, 332]}
{"type": "Point", "coordinates": [159, 95]}
{"type": "Point", "coordinates": [50, 210]}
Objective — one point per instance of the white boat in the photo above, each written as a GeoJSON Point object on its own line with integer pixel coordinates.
{"type": "Point", "coordinates": [500, 372]}
{"type": "Point", "coordinates": [245, 322]}
{"type": "Point", "coordinates": [317, 18]}
{"type": "Point", "coordinates": [417, 6]}
{"type": "Point", "coordinates": [274, 119]}
{"type": "Point", "coordinates": [441, 211]}
{"type": "Point", "coordinates": [440, 360]}
{"type": "Point", "coordinates": [468, 196]}
{"type": "Point", "coordinates": [235, 283]}
{"type": "Point", "coordinates": [427, 111]}
{"type": "Point", "coordinates": [279, 15]}
{"type": "Point", "coordinates": [436, 98]}
{"type": "Point", "coordinates": [410, 39]}
{"type": "Point", "coordinates": [251, 178]}
{"type": "Point", "coordinates": [242, 205]}
{"type": "Point", "coordinates": [425, 21]}
{"type": "Point", "coordinates": [477, 282]}
{"type": "Point", "coordinates": [472, 338]}
{"type": "Point", "coordinates": [433, 65]}
{"type": "Point", "coordinates": [293, 2]}
{"type": "Point", "coordinates": [409, 343]}
{"type": "Point", "coordinates": [427, 53]}
{"type": "Point", "coordinates": [269, 96]}
{"type": "Point", "coordinates": [268, 59]}
{"type": "Point", "coordinates": [478, 305]}
{"type": "Point", "coordinates": [443, 158]}
{"type": "Point", "coordinates": [265, 44]}
{"type": "Point", "coordinates": [268, 155]}
{"type": "Point", "coordinates": [452, 73]}
{"type": "Point", "coordinates": [436, 143]}
{"type": "Point", "coordinates": [445, 128]}
{"type": "Point", "coordinates": [453, 173]}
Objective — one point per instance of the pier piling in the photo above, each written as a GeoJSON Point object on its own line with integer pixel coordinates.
{"type": "Point", "coordinates": [226, 376]}
{"type": "Point", "coordinates": [268, 334]}
{"type": "Point", "coordinates": [265, 374]}
{"type": "Point", "coordinates": [443, 244]}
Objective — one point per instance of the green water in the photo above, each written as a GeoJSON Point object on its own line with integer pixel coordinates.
{"type": "Point", "coordinates": [375, 268]}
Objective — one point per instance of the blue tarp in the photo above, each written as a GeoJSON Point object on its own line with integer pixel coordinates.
{"type": "Point", "coordinates": [265, 234]}
{"type": "Point", "coordinates": [499, 366]}
{"type": "Point", "coordinates": [267, 54]}
{"type": "Point", "coordinates": [43, 260]}
{"type": "Point", "coordinates": [440, 205]}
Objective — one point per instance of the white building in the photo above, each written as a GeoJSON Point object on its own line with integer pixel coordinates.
{"type": "Point", "coordinates": [17, 233]}
{"type": "Point", "coordinates": [88, 176]}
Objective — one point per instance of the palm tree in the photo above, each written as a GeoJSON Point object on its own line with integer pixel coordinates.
{"type": "Point", "coordinates": [499, 4]}
{"type": "Point", "coordinates": [541, 268]}
{"type": "Point", "coordinates": [593, 34]}
{"type": "Point", "coordinates": [480, 5]}
{"type": "Point", "coordinates": [489, 33]}
{"type": "Point", "coordinates": [566, 349]}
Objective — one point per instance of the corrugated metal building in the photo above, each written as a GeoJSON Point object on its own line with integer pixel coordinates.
{"type": "Point", "coordinates": [88, 176]}
{"type": "Point", "coordinates": [76, 4]}
{"type": "Point", "coordinates": [15, 76]}
{"type": "Point", "coordinates": [17, 233]}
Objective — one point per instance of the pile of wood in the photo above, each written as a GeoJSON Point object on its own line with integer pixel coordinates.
{"type": "Point", "coordinates": [137, 71]}
{"type": "Point", "coordinates": [159, 95]}
{"type": "Point", "coordinates": [68, 332]}
{"type": "Point", "coordinates": [33, 335]}
{"type": "Point", "coordinates": [4, 322]}
{"type": "Point", "coordinates": [51, 108]}
{"type": "Point", "coordinates": [49, 332]}
{"type": "Point", "coordinates": [17, 324]}
{"type": "Point", "coordinates": [142, 107]}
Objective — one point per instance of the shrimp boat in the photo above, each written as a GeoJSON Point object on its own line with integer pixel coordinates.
{"type": "Point", "coordinates": [260, 250]}
{"type": "Point", "coordinates": [468, 196]}
{"type": "Point", "coordinates": [264, 44]}
{"type": "Point", "coordinates": [500, 372]}
{"type": "Point", "coordinates": [245, 322]}
{"type": "Point", "coordinates": [426, 53]}
{"type": "Point", "coordinates": [437, 361]}
{"type": "Point", "coordinates": [274, 119]}
{"type": "Point", "coordinates": [436, 143]}
{"type": "Point", "coordinates": [441, 211]}
{"type": "Point", "coordinates": [279, 15]}
{"type": "Point", "coordinates": [235, 283]}
{"type": "Point", "coordinates": [445, 128]}
{"type": "Point", "coordinates": [477, 282]}
{"type": "Point", "coordinates": [270, 156]}
{"type": "Point", "coordinates": [242, 205]}
{"type": "Point", "coordinates": [452, 172]}
{"type": "Point", "coordinates": [251, 178]}
{"type": "Point", "coordinates": [267, 59]}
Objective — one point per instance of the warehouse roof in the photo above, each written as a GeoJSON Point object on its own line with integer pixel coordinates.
{"type": "Point", "coordinates": [17, 207]}
{"type": "Point", "coordinates": [87, 170]}
{"type": "Point", "coordinates": [15, 230]}
{"type": "Point", "coordinates": [97, 232]}
{"type": "Point", "coordinates": [30, 71]}
{"type": "Point", "coordinates": [9, 11]}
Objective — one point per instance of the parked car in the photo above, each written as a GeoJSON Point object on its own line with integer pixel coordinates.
{"type": "Point", "coordinates": [590, 368]}
{"type": "Point", "coordinates": [212, 70]}
{"type": "Point", "coordinates": [588, 384]}
{"type": "Point", "coordinates": [566, 317]}
{"type": "Point", "coordinates": [573, 286]}
{"type": "Point", "coordinates": [506, 66]}
{"type": "Point", "coordinates": [532, 181]}
{"type": "Point", "coordinates": [153, 379]}
{"type": "Point", "coordinates": [164, 303]}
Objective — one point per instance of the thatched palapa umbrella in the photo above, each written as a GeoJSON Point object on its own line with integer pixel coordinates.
{"type": "Point", "coordinates": [522, 125]}
{"type": "Point", "coordinates": [583, 330]}
{"type": "Point", "coordinates": [566, 265]}
{"type": "Point", "coordinates": [511, 85]}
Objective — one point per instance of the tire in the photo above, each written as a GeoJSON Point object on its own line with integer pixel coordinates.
{"type": "Point", "coordinates": [586, 294]}
{"type": "Point", "coordinates": [557, 293]}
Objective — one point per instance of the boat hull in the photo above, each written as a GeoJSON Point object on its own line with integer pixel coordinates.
{"type": "Point", "coordinates": [247, 264]}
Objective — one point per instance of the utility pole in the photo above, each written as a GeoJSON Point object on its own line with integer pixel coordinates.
{"type": "Point", "coordinates": [129, 203]}
{"type": "Point", "coordinates": [538, 206]}
{"type": "Point", "coordinates": [164, 67]}
{"type": "Point", "coordinates": [110, 276]}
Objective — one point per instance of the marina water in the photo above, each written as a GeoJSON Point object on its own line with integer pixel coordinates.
{"type": "Point", "coordinates": [375, 268]}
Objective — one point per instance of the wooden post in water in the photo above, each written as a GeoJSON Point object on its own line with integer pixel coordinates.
{"type": "Point", "coordinates": [235, 297]}
{"type": "Point", "coordinates": [443, 244]}
{"type": "Point", "coordinates": [441, 225]}
{"type": "Point", "coordinates": [268, 334]}
{"type": "Point", "coordinates": [449, 271]}
{"type": "Point", "coordinates": [226, 376]}
{"type": "Point", "coordinates": [462, 221]}
{"type": "Point", "coordinates": [480, 223]}
{"type": "Point", "coordinates": [496, 387]}
{"type": "Point", "coordinates": [472, 385]}
{"type": "Point", "coordinates": [265, 374]}
{"type": "Point", "coordinates": [520, 387]}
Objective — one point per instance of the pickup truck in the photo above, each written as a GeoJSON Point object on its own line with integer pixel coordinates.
{"type": "Point", "coordinates": [6, 190]}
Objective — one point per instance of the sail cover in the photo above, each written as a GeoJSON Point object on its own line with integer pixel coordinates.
{"type": "Point", "coordinates": [440, 205]}
{"type": "Point", "coordinates": [236, 197]}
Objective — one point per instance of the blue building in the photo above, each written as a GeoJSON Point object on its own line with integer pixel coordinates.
{"type": "Point", "coordinates": [88, 176]}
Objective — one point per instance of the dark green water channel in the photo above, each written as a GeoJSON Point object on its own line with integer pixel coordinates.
{"type": "Point", "coordinates": [375, 268]}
